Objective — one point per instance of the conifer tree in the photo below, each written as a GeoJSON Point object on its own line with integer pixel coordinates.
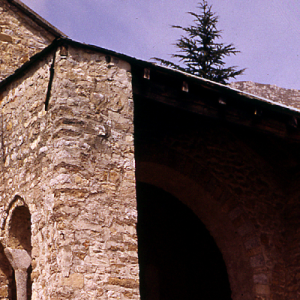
{"type": "Point", "coordinates": [199, 53]}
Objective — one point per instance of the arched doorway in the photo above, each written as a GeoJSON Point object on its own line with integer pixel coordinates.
{"type": "Point", "coordinates": [20, 238]}
{"type": "Point", "coordinates": [178, 257]}
{"type": "Point", "coordinates": [17, 249]}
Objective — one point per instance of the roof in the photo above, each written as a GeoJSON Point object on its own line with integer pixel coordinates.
{"type": "Point", "coordinates": [247, 96]}
{"type": "Point", "coordinates": [37, 18]}
{"type": "Point", "coordinates": [288, 97]}
{"type": "Point", "coordinates": [189, 92]}
{"type": "Point", "coordinates": [212, 84]}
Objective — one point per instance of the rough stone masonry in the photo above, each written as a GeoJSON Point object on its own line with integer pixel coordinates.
{"type": "Point", "coordinates": [68, 172]}
{"type": "Point", "coordinates": [73, 167]}
{"type": "Point", "coordinates": [20, 38]}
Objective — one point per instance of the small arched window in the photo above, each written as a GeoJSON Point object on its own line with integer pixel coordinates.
{"type": "Point", "coordinates": [18, 250]}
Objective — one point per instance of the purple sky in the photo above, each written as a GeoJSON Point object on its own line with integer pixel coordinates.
{"type": "Point", "coordinates": [266, 32]}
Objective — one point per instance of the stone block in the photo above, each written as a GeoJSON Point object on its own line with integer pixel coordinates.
{"type": "Point", "coordinates": [18, 258]}
{"type": "Point", "coordinates": [5, 38]}
{"type": "Point", "coordinates": [262, 289]}
{"type": "Point", "coordinates": [74, 280]}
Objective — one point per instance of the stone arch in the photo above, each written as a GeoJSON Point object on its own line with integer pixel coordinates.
{"type": "Point", "coordinates": [16, 239]}
{"type": "Point", "coordinates": [214, 214]}
{"type": "Point", "coordinates": [10, 206]}
{"type": "Point", "coordinates": [178, 257]}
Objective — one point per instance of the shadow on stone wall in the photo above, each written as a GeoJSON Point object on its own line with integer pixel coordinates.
{"type": "Point", "coordinates": [7, 278]}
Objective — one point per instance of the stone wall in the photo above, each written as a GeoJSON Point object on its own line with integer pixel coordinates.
{"type": "Point", "coordinates": [67, 155]}
{"type": "Point", "coordinates": [286, 273]}
{"type": "Point", "coordinates": [288, 97]}
{"type": "Point", "coordinates": [20, 38]}
{"type": "Point", "coordinates": [24, 128]}
{"type": "Point", "coordinates": [292, 235]}
{"type": "Point", "coordinates": [73, 166]}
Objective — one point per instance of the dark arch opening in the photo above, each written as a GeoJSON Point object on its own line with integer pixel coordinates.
{"type": "Point", "coordinates": [20, 229]}
{"type": "Point", "coordinates": [20, 238]}
{"type": "Point", "coordinates": [178, 257]}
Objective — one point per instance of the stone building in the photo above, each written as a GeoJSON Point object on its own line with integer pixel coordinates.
{"type": "Point", "coordinates": [121, 179]}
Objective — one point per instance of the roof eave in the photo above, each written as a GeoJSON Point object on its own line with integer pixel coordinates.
{"type": "Point", "coordinates": [249, 98]}
{"type": "Point", "coordinates": [37, 18]}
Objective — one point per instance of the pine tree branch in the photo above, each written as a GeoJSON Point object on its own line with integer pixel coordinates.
{"type": "Point", "coordinates": [198, 50]}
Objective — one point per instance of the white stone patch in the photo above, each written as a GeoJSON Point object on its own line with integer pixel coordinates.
{"type": "Point", "coordinates": [63, 142]}
{"type": "Point", "coordinates": [98, 97]}
{"type": "Point", "coordinates": [43, 149]}
{"type": "Point", "coordinates": [42, 113]}
{"type": "Point", "coordinates": [64, 260]}
{"type": "Point", "coordinates": [31, 120]}
{"type": "Point", "coordinates": [129, 163]}
{"type": "Point", "coordinates": [62, 155]}
{"type": "Point", "coordinates": [49, 202]}
{"type": "Point", "coordinates": [91, 285]}
{"type": "Point", "coordinates": [20, 141]}
{"type": "Point", "coordinates": [35, 143]}
{"type": "Point", "coordinates": [30, 177]}
{"type": "Point", "coordinates": [130, 213]}
{"type": "Point", "coordinates": [116, 135]}
{"type": "Point", "coordinates": [35, 217]}
{"type": "Point", "coordinates": [86, 146]}
{"type": "Point", "coordinates": [80, 224]}
{"type": "Point", "coordinates": [7, 160]}
{"type": "Point", "coordinates": [70, 210]}
{"type": "Point", "coordinates": [60, 179]}
{"type": "Point", "coordinates": [129, 138]}
{"type": "Point", "coordinates": [101, 130]}
{"type": "Point", "coordinates": [14, 156]}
